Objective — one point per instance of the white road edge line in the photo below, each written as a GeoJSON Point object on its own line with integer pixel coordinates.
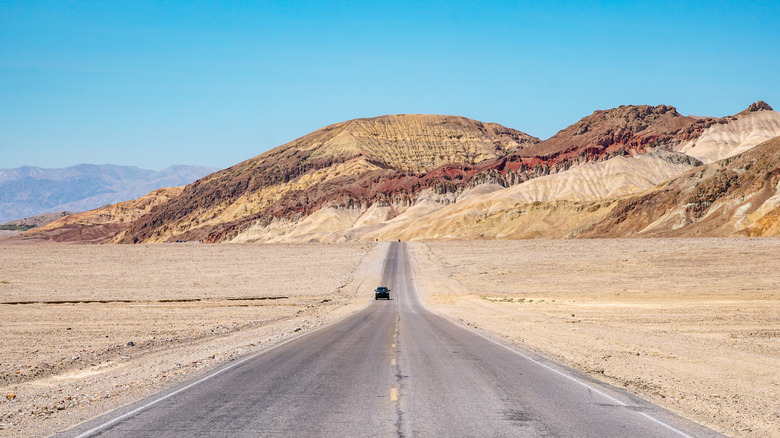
{"type": "Point", "coordinates": [209, 376]}
{"type": "Point", "coordinates": [573, 379]}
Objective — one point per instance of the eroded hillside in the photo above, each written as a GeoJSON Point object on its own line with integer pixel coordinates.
{"type": "Point", "coordinates": [734, 196]}
{"type": "Point", "coordinates": [432, 177]}
{"type": "Point", "coordinates": [342, 163]}
{"type": "Point", "coordinates": [101, 224]}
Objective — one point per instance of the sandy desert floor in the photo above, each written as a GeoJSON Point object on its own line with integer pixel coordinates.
{"type": "Point", "coordinates": [84, 329]}
{"type": "Point", "coordinates": [690, 324]}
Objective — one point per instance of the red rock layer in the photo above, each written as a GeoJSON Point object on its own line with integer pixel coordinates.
{"type": "Point", "coordinates": [602, 135]}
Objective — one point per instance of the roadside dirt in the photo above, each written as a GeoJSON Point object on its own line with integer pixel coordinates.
{"type": "Point", "coordinates": [692, 325]}
{"type": "Point", "coordinates": [86, 329]}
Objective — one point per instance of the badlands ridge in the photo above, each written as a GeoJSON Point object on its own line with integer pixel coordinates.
{"type": "Point", "coordinates": [628, 171]}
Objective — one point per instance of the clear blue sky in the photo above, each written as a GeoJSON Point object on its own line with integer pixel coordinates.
{"type": "Point", "coordinates": [153, 83]}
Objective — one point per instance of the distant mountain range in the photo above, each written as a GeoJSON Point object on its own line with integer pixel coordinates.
{"type": "Point", "coordinates": [29, 191]}
{"type": "Point", "coordinates": [634, 170]}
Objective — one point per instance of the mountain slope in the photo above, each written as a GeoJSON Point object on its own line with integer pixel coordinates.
{"type": "Point", "coordinates": [407, 203]}
{"type": "Point", "coordinates": [549, 206]}
{"type": "Point", "coordinates": [101, 224]}
{"type": "Point", "coordinates": [415, 142]}
{"type": "Point", "coordinates": [34, 221]}
{"type": "Point", "coordinates": [735, 196]}
{"type": "Point", "coordinates": [383, 178]}
{"type": "Point", "coordinates": [29, 191]}
{"type": "Point", "coordinates": [623, 129]}
{"type": "Point", "coordinates": [736, 134]}
{"type": "Point", "coordinates": [560, 203]}
{"type": "Point", "coordinates": [363, 160]}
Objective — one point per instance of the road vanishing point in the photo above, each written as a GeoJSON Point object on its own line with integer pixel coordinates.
{"type": "Point", "coordinates": [393, 369]}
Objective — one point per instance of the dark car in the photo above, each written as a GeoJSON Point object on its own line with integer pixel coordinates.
{"type": "Point", "coordinates": [382, 292]}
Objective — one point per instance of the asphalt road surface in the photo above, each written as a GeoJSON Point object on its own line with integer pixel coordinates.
{"type": "Point", "coordinates": [392, 369]}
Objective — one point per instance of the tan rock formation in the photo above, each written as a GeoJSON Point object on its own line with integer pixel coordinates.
{"type": "Point", "coordinates": [735, 196]}
{"type": "Point", "coordinates": [417, 142]}
{"type": "Point", "coordinates": [338, 163]}
{"type": "Point", "coordinates": [101, 224]}
{"type": "Point", "coordinates": [429, 177]}
{"type": "Point", "coordinates": [736, 134]}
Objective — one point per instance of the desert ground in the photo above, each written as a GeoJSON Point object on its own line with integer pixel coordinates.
{"type": "Point", "coordinates": [692, 325]}
{"type": "Point", "coordinates": [88, 328]}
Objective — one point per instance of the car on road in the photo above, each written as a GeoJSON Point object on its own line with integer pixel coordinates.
{"type": "Point", "coordinates": [382, 292]}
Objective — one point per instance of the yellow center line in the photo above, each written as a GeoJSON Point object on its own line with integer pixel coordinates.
{"type": "Point", "coordinates": [393, 345]}
{"type": "Point", "coordinates": [394, 394]}
{"type": "Point", "coordinates": [392, 361]}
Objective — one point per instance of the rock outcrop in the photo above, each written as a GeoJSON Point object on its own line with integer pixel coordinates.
{"type": "Point", "coordinates": [101, 224]}
{"type": "Point", "coordinates": [432, 177]}
{"type": "Point", "coordinates": [734, 196]}
{"type": "Point", "coordinates": [622, 130]}
{"type": "Point", "coordinates": [735, 134]}
{"type": "Point", "coordinates": [384, 159]}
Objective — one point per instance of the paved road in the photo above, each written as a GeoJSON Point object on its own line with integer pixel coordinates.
{"type": "Point", "coordinates": [393, 369]}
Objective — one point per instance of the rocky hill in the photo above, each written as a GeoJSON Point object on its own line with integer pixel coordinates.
{"type": "Point", "coordinates": [738, 195]}
{"type": "Point", "coordinates": [99, 225]}
{"type": "Point", "coordinates": [736, 134]}
{"type": "Point", "coordinates": [571, 202]}
{"type": "Point", "coordinates": [34, 221]}
{"type": "Point", "coordinates": [30, 191]}
{"type": "Point", "coordinates": [360, 162]}
{"type": "Point", "coordinates": [631, 128]}
{"type": "Point", "coordinates": [433, 177]}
